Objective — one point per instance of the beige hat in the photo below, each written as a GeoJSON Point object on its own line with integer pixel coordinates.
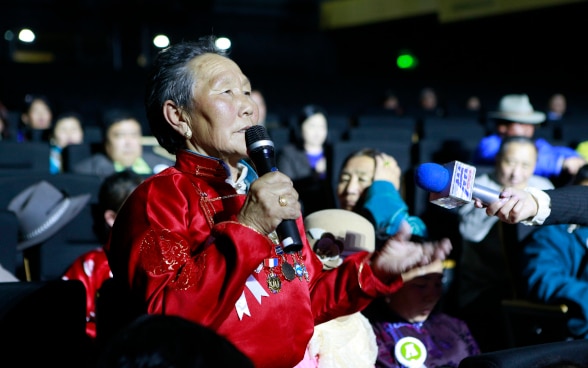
{"type": "Point", "coordinates": [517, 108]}
{"type": "Point", "coordinates": [351, 231]}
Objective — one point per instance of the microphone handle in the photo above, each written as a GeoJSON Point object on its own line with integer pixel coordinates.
{"type": "Point", "coordinates": [289, 236]}
{"type": "Point", "coordinates": [263, 158]}
{"type": "Point", "coordinates": [485, 194]}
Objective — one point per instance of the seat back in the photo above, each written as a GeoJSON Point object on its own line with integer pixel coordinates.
{"type": "Point", "coordinates": [8, 240]}
{"type": "Point", "coordinates": [531, 323]}
{"type": "Point", "coordinates": [25, 157]}
{"type": "Point", "coordinates": [44, 324]}
{"type": "Point", "coordinates": [565, 353]}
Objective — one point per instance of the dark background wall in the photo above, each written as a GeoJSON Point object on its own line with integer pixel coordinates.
{"type": "Point", "coordinates": [105, 51]}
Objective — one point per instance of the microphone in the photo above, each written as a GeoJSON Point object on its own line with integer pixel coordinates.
{"type": "Point", "coordinates": [452, 184]}
{"type": "Point", "coordinates": [260, 149]}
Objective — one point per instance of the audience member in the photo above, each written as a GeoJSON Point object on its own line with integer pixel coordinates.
{"type": "Point", "coordinates": [123, 149]}
{"type": "Point", "coordinates": [346, 341]}
{"type": "Point", "coordinates": [369, 183]}
{"type": "Point", "coordinates": [5, 133]}
{"type": "Point", "coordinates": [156, 340]}
{"type": "Point", "coordinates": [257, 96]}
{"type": "Point", "coordinates": [410, 329]}
{"type": "Point", "coordinates": [42, 210]}
{"type": "Point", "coordinates": [472, 107]}
{"type": "Point", "coordinates": [92, 268]}
{"type": "Point", "coordinates": [388, 103]}
{"type": "Point", "coordinates": [305, 160]}
{"type": "Point", "coordinates": [36, 119]}
{"type": "Point", "coordinates": [554, 268]}
{"type": "Point", "coordinates": [391, 103]}
{"type": "Point", "coordinates": [66, 130]}
{"type": "Point", "coordinates": [517, 117]}
{"type": "Point", "coordinates": [266, 119]}
{"type": "Point", "coordinates": [196, 240]}
{"type": "Point", "coordinates": [556, 107]}
{"type": "Point", "coordinates": [429, 104]}
{"type": "Point", "coordinates": [486, 261]}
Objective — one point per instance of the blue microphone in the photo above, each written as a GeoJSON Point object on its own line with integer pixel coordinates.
{"type": "Point", "coordinates": [453, 184]}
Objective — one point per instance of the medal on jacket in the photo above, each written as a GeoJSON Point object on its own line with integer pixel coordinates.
{"type": "Point", "coordinates": [274, 284]}
{"type": "Point", "coordinates": [299, 270]}
{"type": "Point", "coordinates": [287, 270]}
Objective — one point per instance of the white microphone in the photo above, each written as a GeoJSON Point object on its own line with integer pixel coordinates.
{"type": "Point", "coordinates": [453, 184]}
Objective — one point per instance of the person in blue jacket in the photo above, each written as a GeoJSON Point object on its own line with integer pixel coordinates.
{"type": "Point", "coordinates": [555, 267]}
{"type": "Point", "coordinates": [516, 117]}
{"type": "Point", "coordinates": [369, 183]}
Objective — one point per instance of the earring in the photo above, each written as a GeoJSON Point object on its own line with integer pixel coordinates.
{"type": "Point", "coordinates": [188, 134]}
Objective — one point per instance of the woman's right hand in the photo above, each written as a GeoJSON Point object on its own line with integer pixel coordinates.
{"type": "Point", "coordinates": [271, 199]}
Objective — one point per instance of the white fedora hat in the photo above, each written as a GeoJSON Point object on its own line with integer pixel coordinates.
{"type": "Point", "coordinates": [517, 108]}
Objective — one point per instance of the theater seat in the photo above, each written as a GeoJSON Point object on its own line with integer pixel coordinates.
{"type": "Point", "coordinates": [574, 353]}
{"type": "Point", "coordinates": [43, 324]}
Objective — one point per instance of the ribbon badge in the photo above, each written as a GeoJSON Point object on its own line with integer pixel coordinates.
{"type": "Point", "coordinates": [256, 289]}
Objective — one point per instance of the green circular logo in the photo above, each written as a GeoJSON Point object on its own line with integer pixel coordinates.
{"type": "Point", "coordinates": [410, 352]}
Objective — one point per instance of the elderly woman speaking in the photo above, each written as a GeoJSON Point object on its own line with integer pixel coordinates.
{"type": "Point", "coordinates": [198, 240]}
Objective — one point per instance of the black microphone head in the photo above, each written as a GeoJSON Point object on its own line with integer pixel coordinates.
{"type": "Point", "coordinates": [257, 136]}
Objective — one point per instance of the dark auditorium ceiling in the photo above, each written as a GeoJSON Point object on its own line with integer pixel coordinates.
{"type": "Point", "coordinates": [289, 37]}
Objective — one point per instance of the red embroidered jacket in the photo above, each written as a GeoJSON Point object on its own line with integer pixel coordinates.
{"type": "Point", "coordinates": [92, 269]}
{"type": "Point", "coordinates": [177, 244]}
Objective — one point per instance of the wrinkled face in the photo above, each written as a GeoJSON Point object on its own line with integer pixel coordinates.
{"type": "Point", "coordinates": [123, 142]}
{"type": "Point", "coordinates": [417, 298]}
{"type": "Point", "coordinates": [517, 165]}
{"type": "Point", "coordinates": [39, 115]}
{"type": "Point", "coordinates": [517, 129]}
{"type": "Point", "coordinates": [68, 131]}
{"type": "Point", "coordinates": [356, 176]}
{"type": "Point", "coordinates": [314, 130]}
{"type": "Point", "coordinates": [224, 109]}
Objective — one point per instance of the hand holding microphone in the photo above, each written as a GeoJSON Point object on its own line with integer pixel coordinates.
{"type": "Point", "coordinates": [261, 151]}
{"type": "Point", "coordinates": [453, 184]}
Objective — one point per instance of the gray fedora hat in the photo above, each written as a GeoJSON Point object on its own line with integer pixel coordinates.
{"type": "Point", "coordinates": [42, 210]}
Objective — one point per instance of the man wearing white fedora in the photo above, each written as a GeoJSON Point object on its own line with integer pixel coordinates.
{"type": "Point", "coordinates": [516, 117]}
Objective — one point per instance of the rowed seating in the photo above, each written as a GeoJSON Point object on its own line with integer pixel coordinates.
{"type": "Point", "coordinates": [25, 157]}
{"type": "Point", "coordinates": [399, 133]}
{"type": "Point", "coordinates": [452, 128]}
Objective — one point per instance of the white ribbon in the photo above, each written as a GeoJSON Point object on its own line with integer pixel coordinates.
{"type": "Point", "coordinates": [256, 289]}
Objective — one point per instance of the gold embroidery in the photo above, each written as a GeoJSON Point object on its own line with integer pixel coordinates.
{"type": "Point", "coordinates": [164, 253]}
